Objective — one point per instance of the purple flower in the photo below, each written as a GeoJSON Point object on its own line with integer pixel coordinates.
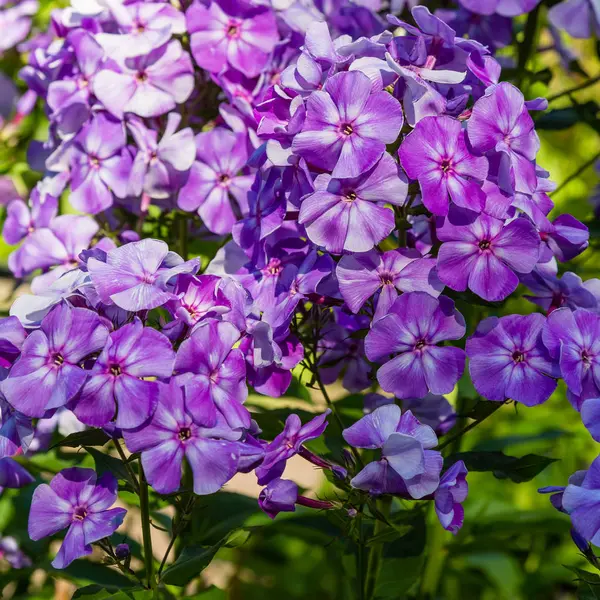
{"type": "Point", "coordinates": [12, 554]}
{"type": "Point", "coordinates": [215, 177]}
{"type": "Point", "coordinates": [449, 496]}
{"type": "Point", "coordinates": [217, 370]}
{"type": "Point", "coordinates": [349, 214]}
{"type": "Point", "coordinates": [77, 500]}
{"type": "Point", "coordinates": [15, 23]}
{"type": "Point", "coordinates": [573, 339]}
{"type": "Point", "coordinates": [47, 374]}
{"type": "Point", "coordinates": [100, 166]}
{"type": "Point", "coordinates": [159, 169]}
{"type": "Point", "coordinates": [436, 154]}
{"type": "Point", "coordinates": [557, 491]}
{"type": "Point", "coordinates": [133, 276]}
{"type": "Point", "coordinates": [16, 434]}
{"type": "Point", "coordinates": [21, 221]}
{"type": "Point", "coordinates": [507, 359]}
{"type": "Point", "coordinates": [579, 18]}
{"type": "Point", "coordinates": [289, 443]}
{"type": "Point", "coordinates": [582, 502]}
{"type": "Point", "coordinates": [433, 410]}
{"type": "Point", "coordinates": [172, 434]}
{"type": "Point", "coordinates": [12, 336]}
{"type": "Point", "coordinates": [348, 125]}
{"type": "Point", "coordinates": [408, 466]}
{"type": "Point", "coordinates": [148, 85]}
{"type": "Point", "coordinates": [243, 41]}
{"type": "Point", "coordinates": [506, 8]}
{"type": "Point", "coordinates": [115, 382]}
{"type": "Point", "coordinates": [410, 331]}
{"type": "Point", "coordinates": [483, 255]}
{"type": "Point", "coordinates": [280, 495]}
{"type": "Point", "coordinates": [565, 238]}
{"type": "Point", "coordinates": [403, 270]}
{"type": "Point", "coordinates": [500, 122]}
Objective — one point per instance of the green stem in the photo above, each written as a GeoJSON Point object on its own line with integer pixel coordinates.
{"type": "Point", "coordinates": [146, 533]}
{"type": "Point", "coordinates": [577, 88]}
{"type": "Point", "coordinates": [376, 553]}
{"type": "Point", "coordinates": [528, 46]}
{"type": "Point", "coordinates": [360, 560]}
{"type": "Point", "coordinates": [576, 174]}
{"type": "Point", "coordinates": [136, 484]}
{"type": "Point", "coordinates": [182, 240]}
{"type": "Point", "coordinates": [435, 562]}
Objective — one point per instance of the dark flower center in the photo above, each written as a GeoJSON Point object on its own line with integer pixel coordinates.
{"type": "Point", "coordinates": [115, 370]}
{"type": "Point", "coordinates": [80, 513]}
{"type": "Point", "coordinates": [273, 268]}
{"type": "Point", "coordinates": [347, 129]}
{"type": "Point", "coordinates": [141, 77]}
{"type": "Point", "coordinates": [446, 165]}
{"type": "Point", "coordinates": [58, 359]}
{"type": "Point", "coordinates": [350, 196]}
{"type": "Point", "coordinates": [94, 162]}
{"type": "Point", "coordinates": [224, 178]}
{"type": "Point", "coordinates": [185, 434]}
{"type": "Point", "coordinates": [232, 30]}
{"type": "Point", "coordinates": [585, 357]}
{"type": "Point", "coordinates": [386, 278]}
{"type": "Point", "coordinates": [518, 356]}
{"type": "Point", "coordinates": [485, 244]}
{"type": "Point", "coordinates": [420, 345]}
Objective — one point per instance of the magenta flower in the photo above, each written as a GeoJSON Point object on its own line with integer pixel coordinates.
{"type": "Point", "coordinates": [21, 220]}
{"type": "Point", "coordinates": [437, 155]}
{"type": "Point", "coordinates": [215, 177]}
{"type": "Point", "coordinates": [348, 125]}
{"type": "Point", "coordinates": [450, 495]}
{"type": "Point", "coordinates": [77, 500]}
{"type": "Point", "coordinates": [243, 41]}
{"type": "Point", "coordinates": [485, 254]}
{"type": "Point", "coordinates": [47, 374]}
{"type": "Point", "coordinates": [115, 383]}
{"type": "Point", "coordinates": [217, 370]}
{"type": "Point", "coordinates": [12, 336]}
{"type": "Point", "coordinates": [500, 122]}
{"type": "Point", "coordinates": [349, 214]}
{"type": "Point", "coordinates": [408, 466]}
{"type": "Point", "coordinates": [507, 359]}
{"type": "Point", "coordinates": [133, 276]}
{"type": "Point", "coordinates": [101, 165]}
{"type": "Point", "coordinates": [148, 85]}
{"type": "Point", "coordinates": [403, 270]}
{"type": "Point", "coordinates": [172, 435]}
{"type": "Point", "coordinates": [289, 443]}
{"type": "Point", "coordinates": [410, 332]}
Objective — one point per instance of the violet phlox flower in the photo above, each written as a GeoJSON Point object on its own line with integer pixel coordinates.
{"type": "Point", "coordinates": [75, 499]}
{"type": "Point", "coordinates": [135, 276]}
{"type": "Point", "coordinates": [172, 435]}
{"type": "Point", "coordinates": [508, 359]}
{"type": "Point", "coordinates": [348, 125]}
{"type": "Point", "coordinates": [282, 495]}
{"type": "Point", "coordinates": [116, 384]}
{"type": "Point", "coordinates": [289, 443]}
{"type": "Point", "coordinates": [450, 495]}
{"type": "Point", "coordinates": [408, 466]}
{"type": "Point", "coordinates": [48, 374]}
{"type": "Point", "coordinates": [406, 341]}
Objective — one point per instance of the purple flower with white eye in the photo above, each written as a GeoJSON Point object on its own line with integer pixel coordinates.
{"type": "Point", "coordinates": [450, 495]}
{"type": "Point", "coordinates": [77, 499]}
{"type": "Point", "coordinates": [500, 122]}
{"type": "Point", "coordinates": [289, 443]}
{"type": "Point", "coordinates": [506, 8]}
{"type": "Point", "coordinates": [116, 385]}
{"type": "Point", "coordinates": [410, 332]}
{"type": "Point", "coordinates": [160, 168]}
{"type": "Point", "coordinates": [47, 374]}
{"type": "Point", "coordinates": [408, 466]}
{"type": "Point", "coordinates": [485, 254]}
{"type": "Point", "coordinates": [403, 270]}
{"type": "Point", "coordinates": [573, 339]}
{"type": "Point", "coordinates": [101, 165]}
{"type": "Point", "coordinates": [21, 220]}
{"type": "Point", "coordinates": [12, 336]}
{"type": "Point", "coordinates": [149, 85]}
{"type": "Point", "coordinates": [508, 359]}
{"type": "Point", "coordinates": [217, 370]}
{"type": "Point", "coordinates": [579, 18]}
{"type": "Point", "coordinates": [437, 155]}
{"type": "Point", "coordinates": [172, 435]}
{"type": "Point", "coordinates": [280, 495]}
{"type": "Point", "coordinates": [215, 177]}
{"type": "Point", "coordinates": [348, 125]}
{"type": "Point", "coordinates": [133, 276]}
{"type": "Point", "coordinates": [243, 40]}
{"type": "Point", "coordinates": [349, 214]}
{"type": "Point", "coordinates": [581, 501]}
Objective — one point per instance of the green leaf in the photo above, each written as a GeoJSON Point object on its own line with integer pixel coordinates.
{"type": "Point", "coordinates": [84, 570]}
{"type": "Point", "coordinates": [502, 466]}
{"type": "Point", "coordinates": [513, 440]}
{"type": "Point", "coordinates": [397, 576]}
{"type": "Point", "coordinates": [390, 534]}
{"type": "Point", "coordinates": [98, 592]}
{"type": "Point", "coordinates": [105, 462]}
{"type": "Point", "coordinates": [89, 437]}
{"type": "Point", "coordinates": [191, 562]}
